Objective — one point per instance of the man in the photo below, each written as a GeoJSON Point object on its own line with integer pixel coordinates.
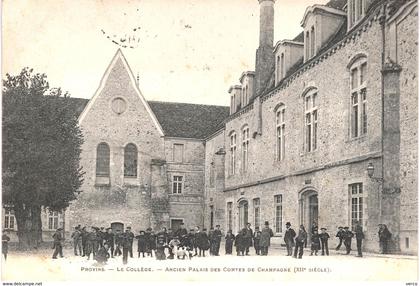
{"type": "Point", "coordinates": [211, 240]}
{"type": "Point", "coordinates": [266, 235]}
{"type": "Point", "coordinates": [248, 238]}
{"type": "Point", "coordinates": [359, 237]}
{"type": "Point", "coordinates": [57, 246]}
{"type": "Point", "coordinates": [314, 227]}
{"type": "Point", "coordinates": [181, 232]}
{"type": "Point", "coordinates": [257, 238]}
{"type": "Point", "coordinates": [196, 238]}
{"type": "Point", "coordinates": [340, 234]}
{"type": "Point", "coordinates": [5, 244]}
{"type": "Point", "coordinates": [101, 236]}
{"type": "Point", "coordinates": [289, 238]}
{"type": "Point", "coordinates": [77, 240]}
{"type": "Point", "coordinates": [84, 234]}
{"type": "Point", "coordinates": [102, 255]}
{"type": "Point", "coordinates": [217, 236]}
{"type": "Point", "coordinates": [324, 241]}
{"type": "Point", "coordinates": [118, 243]}
{"type": "Point", "coordinates": [109, 240]}
{"type": "Point", "coordinates": [301, 241]}
{"type": "Point", "coordinates": [127, 244]}
{"type": "Point", "coordinates": [130, 237]}
{"type": "Point", "coordinates": [92, 241]}
{"type": "Point", "coordinates": [348, 235]}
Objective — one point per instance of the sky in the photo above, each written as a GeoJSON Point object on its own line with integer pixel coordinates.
{"type": "Point", "coordinates": [183, 50]}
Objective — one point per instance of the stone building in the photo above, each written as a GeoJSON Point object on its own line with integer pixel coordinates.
{"type": "Point", "coordinates": [324, 130]}
{"type": "Point", "coordinates": [338, 99]}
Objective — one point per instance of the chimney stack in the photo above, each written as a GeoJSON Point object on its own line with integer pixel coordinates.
{"type": "Point", "coordinates": [264, 61]}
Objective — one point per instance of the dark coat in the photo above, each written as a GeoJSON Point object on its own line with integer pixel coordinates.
{"type": "Point", "coordinates": [141, 243]}
{"type": "Point", "coordinates": [324, 236]}
{"type": "Point", "coordinates": [240, 242]}
{"type": "Point", "coordinates": [102, 255]}
{"type": "Point", "coordinates": [315, 242]}
{"type": "Point", "coordinates": [109, 239]}
{"type": "Point", "coordinates": [248, 237]}
{"type": "Point", "coordinates": [217, 235]}
{"type": "Point", "coordinates": [359, 232]}
{"type": "Point", "coordinates": [302, 237]}
{"type": "Point", "coordinates": [289, 235]}
{"type": "Point", "coordinates": [266, 235]}
{"type": "Point", "coordinates": [5, 243]}
{"type": "Point", "coordinates": [203, 240]}
{"type": "Point", "coordinates": [384, 234]}
{"type": "Point", "coordinates": [348, 235]}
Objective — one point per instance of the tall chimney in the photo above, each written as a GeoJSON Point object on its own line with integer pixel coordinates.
{"type": "Point", "coordinates": [264, 61]}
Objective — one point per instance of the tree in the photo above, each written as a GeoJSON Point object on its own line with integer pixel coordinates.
{"type": "Point", "coordinates": [41, 151]}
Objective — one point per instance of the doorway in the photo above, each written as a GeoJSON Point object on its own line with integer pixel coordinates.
{"type": "Point", "coordinates": [308, 204]}
{"type": "Point", "coordinates": [176, 224]}
{"type": "Point", "coordinates": [117, 226]}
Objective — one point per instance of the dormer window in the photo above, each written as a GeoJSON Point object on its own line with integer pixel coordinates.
{"type": "Point", "coordinates": [356, 11]}
{"type": "Point", "coordinates": [312, 40]}
{"type": "Point", "coordinates": [287, 54]}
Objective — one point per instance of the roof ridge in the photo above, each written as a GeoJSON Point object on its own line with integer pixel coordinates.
{"type": "Point", "coordinates": [172, 102]}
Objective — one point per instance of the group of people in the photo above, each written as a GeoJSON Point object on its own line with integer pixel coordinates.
{"type": "Point", "coordinates": [101, 243]}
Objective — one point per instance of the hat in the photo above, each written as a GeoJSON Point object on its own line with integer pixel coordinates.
{"type": "Point", "coordinates": [217, 225]}
{"type": "Point", "coordinates": [257, 227]}
{"type": "Point", "coordinates": [142, 232]}
{"type": "Point", "coordinates": [59, 228]}
{"type": "Point", "coordinates": [340, 227]}
{"type": "Point", "coordinates": [149, 229]}
{"type": "Point", "coordinates": [346, 227]}
{"type": "Point", "coordinates": [128, 227]}
{"type": "Point", "coordinates": [288, 223]}
{"type": "Point", "coordinates": [266, 223]}
{"type": "Point", "coordinates": [191, 229]}
{"type": "Point", "coordinates": [204, 229]}
{"type": "Point", "coordinates": [323, 228]}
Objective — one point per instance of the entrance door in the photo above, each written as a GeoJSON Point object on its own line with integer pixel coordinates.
{"type": "Point", "coordinates": [308, 210]}
{"type": "Point", "coordinates": [117, 226]}
{"type": "Point", "coordinates": [243, 214]}
{"type": "Point", "coordinates": [176, 224]}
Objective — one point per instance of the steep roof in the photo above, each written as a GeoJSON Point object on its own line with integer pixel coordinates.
{"type": "Point", "coordinates": [184, 120]}
{"type": "Point", "coordinates": [189, 120]}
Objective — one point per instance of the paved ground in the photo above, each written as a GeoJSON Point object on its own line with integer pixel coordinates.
{"type": "Point", "coordinates": [38, 266]}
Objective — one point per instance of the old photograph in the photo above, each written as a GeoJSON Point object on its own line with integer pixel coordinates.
{"type": "Point", "coordinates": [269, 141]}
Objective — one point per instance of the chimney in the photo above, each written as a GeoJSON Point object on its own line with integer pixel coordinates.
{"type": "Point", "coordinates": [264, 62]}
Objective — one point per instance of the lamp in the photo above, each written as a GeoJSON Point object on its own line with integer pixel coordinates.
{"type": "Point", "coordinates": [371, 170]}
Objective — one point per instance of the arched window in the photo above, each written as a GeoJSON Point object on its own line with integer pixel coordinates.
{"type": "Point", "coordinates": [311, 119]}
{"type": "Point", "coordinates": [102, 160]}
{"type": "Point", "coordinates": [245, 148]}
{"type": "Point", "coordinates": [358, 96]}
{"type": "Point", "coordinates": [130, 161]}
{"type": "Point", "coordinates": [280, 132]}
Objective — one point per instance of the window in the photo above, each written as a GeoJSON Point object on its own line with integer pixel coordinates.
{"type": "Point", "coordinates": [177, 184]}
{"type": "Point", "coordinates": [312, 41]}
{"type": "Point", "coordinates": [278, 69]}
{"type": "Point", "coordinates": [356, 11]}
{"type": "Point", "coordinates": [256, 212]}
{"type": "Point", "coordinates": [229, 215]}
{"type": "Point", "coordinates": [232, 153]}
{"type": "Point", "coordinates": [130, 161]}
{"type": "Point", "coordinates": [52, 220]}
{"type": "Point", "coordinates": [282, 66]}
{"type": "Point", "coordinates": [102, 160]}
{"type": "Point", "coordinates": [243, 97]}
{"type": "Point", "coordinates": [307, 45]}
{"type": "Point", "coordinates": [232, 105]}
{"type": "Point", "coordinates": [9, 218]}
{"type": "Point", "coordinates": [278, 208]}
{"type": "Point", "coordinates": [280, 133]}
{"type": "Point", "coordinates": [311, 121]}
{"type": "Point", "coordinates": [356, 194]}
{"type": "Point", "coordinates": [245, 147]}
{"type": "Point", "coordinates": [358, 98]}
{"type": "Point", "coordinates": [178, 154]}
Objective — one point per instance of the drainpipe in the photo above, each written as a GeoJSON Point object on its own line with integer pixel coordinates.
{"type": "Point", "coordinates": [382, 23]}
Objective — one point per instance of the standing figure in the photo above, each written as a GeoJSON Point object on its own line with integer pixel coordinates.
{"type": "Point", "coordinates": [239, 243]}
{"type": "Point", "coordinates": [101, 236]}
{"type": "Point", "coordinates": [217, 236]}
{"type": "Point", "coordinates": [348, 235]}
{"type": "Point", "coordinates": [127, 244]}
{"type": "Point", "coordinates": [5, 244]}
{"type": "Point", "coordinates": [141, 243]}
{"type": "Point", "coordinates": [160, 247]}
{"type": "Point", "coordinates": [211, 240]}
{"type": "Point", "coordinates": [57, 246]}
{"type": "Point", "coordinates": [173, 247]}
{"type": "Point", "coordinates": [384, 236]}
{"type": "Point", "coordinates": [340, 234]}
{"type": "Point", "coordinates": [91, 243]}
{"type": "Point", "coordinates": [149, 242]}
{"type": "Point", "coordinates": [301, 240]}
{"type": "Point", "coordinates": [289, 238]}
{"type": "Point", "coordinates": [230, 238]}
{"type": "Point", "coordinates": [109, 240]}
{"type": "Point", "coordinates": [314, 227]}
{"type": "Point", "coordinates": [181, 232]}
{"type": "Point", "coordinates": [77, 240]}
{"type": "Point", "coordinates": [248, 238]}
{"type": "Point", "coordinates": [203, 243]}
{"type": "Point", "coordinates": [196, 235]}
{"type": "Point", "coordinates": [190, 240]}
{"type": "Point", "coordinates": [257, 237]}
{"type": "Point", "coordinates": [118, 243]}
{"type": "Point", "coordinates": [359, 237]}
{"type": "Point", "coordinates": [324, 241]}
{"type": "Point", "coordinates": [84, 235]}
{"type": "Point", "coordinates": [266, 235]}
{"type": "Point", "coordinates": [315, 243]}
{"type": "Point", "coordinates": [130, 236]}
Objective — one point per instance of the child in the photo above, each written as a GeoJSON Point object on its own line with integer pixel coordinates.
{"type": "Point", "coordinates": [160, 247]}
{"type": "Point", "coordinates": [315, 242]}
{"type": "Point", "coordinates": [102, 255]}
{"type": "Point", "coordinates": [141, 243]}
{"type": "Point", "coordinates": [181, 253]}
{"type": "Point", "coordinates": [257, 237]}
{"type": "Point", "coordinates": [173, 246]}
{"type": "Point", "coordinates": [239, 243]}
{"type": "Point", "coordinates": [324, 241]}
{"type": "Point", "coordinates": [230, 238]}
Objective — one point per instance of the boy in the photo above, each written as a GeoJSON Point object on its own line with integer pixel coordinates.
{"type": "Point", "coordinates": [257, 237]}
{"type": "Point", "coordinates": [102, 255]}
{"type": "Point", "coordinates": [173, 247]}
{"type": "Point", "coordinates": [315, 242]}
{"type": "Point", "coordinates": [230, 238]}
{"type": "Point", "coordinates": [324, 241]}
{"type": "Point", "coordinates": [141, 243]}
{"type": "Point", "coordinates": [340, 235]}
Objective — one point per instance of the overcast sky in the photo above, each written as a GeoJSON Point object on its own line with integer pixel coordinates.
{"type": "Point", "coordinates": [184, 50]}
